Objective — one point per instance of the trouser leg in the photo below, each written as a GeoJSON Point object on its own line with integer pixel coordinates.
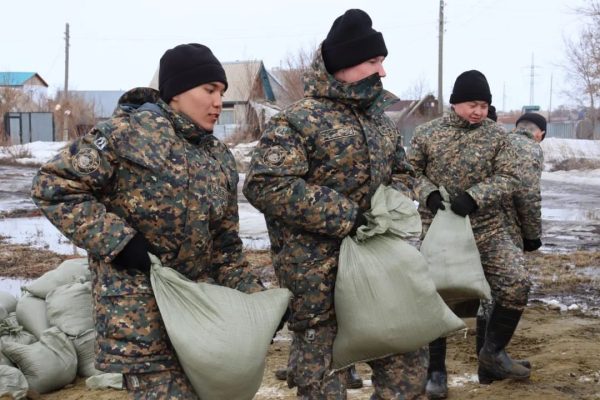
{"type": "Point", "coordinates": [401, 376]}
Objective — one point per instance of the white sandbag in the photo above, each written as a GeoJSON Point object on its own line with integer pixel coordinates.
{"type": "Point", "coordinates": [11, 331]}
{"type": "Point", "coordinates": [13, 383]}
{"type": "Point", "coordinates": [3, 313]}
{"type": "Point", "coordinates": [8, 302]}
{"type": "Point", "coordinates": [84, 347]}
{"type": "Point", "coordinates": [48, 364]}
{"type": "Point", "coordinates": [385, 302]}
{"type": "Point", "coordinates": [73, 270]}
{"type": "Point", "coordinates": [221, 335]}
{"type": "Point", "coordinates": [452, 257]}
{"type": "Point", "coordinates": [105, 381]}
{"type": "Point", "coordinates": [5, 360]}
{"type": "Point", "coordinates": [70, 308]}
{"type": "Point", "coordinates": [31, 314]}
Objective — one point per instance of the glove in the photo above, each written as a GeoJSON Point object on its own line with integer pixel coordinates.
{"type": "Point", "coordinates": [531, 244]}
{"type": "Point", "coordinates": [284, 319]}
{"type": "Point", "coordinates": [360, 221]}
{"type": "Point", "coordinates": [435, 202]}
{"type": "Point", "coordinates": [134, 256]}
{"type": "Point", "coordinates": [463, 204]}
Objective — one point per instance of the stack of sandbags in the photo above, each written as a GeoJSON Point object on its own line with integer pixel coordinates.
{"type": "Point", "coordinates": [12, 383]}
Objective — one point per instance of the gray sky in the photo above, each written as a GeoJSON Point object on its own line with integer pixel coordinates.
{"type": "Point", "coordinates": [117, 44]}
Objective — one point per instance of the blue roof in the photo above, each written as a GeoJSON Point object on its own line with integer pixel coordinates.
{"type": "Point", "coordinates": [15, 78]}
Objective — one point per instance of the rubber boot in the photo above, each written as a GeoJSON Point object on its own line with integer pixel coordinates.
{"type": "Point", "coordinates": [353, 379]}
{"type": "Point", "coordinates": [494, 362]}
{"type": "Point", "coordinates": [281, 374]}
{"type": "Point", "coordinates": [437, 378]}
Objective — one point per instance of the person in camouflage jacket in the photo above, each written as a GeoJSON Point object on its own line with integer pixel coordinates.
{"type": "Point", "coordinates": [150, 179]}
{"type": "Point", "coordinates": [471, 157]}
{"type": "Point", "coordinates": [313, 173]}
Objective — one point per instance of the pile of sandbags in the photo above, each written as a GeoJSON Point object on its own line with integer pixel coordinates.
{"type": "Point", "coordinates": [48, 334]}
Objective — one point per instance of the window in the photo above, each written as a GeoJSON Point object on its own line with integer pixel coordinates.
{"type": "Point", "coordinates": [226, 117]}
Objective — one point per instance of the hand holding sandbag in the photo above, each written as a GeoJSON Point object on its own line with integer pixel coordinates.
{"type": "Point", "coordinates": [435, 202]}
{"type": "Point", "coordinates": [463, 204]}
{"type": "Point", "coordinates": [135, 255]}
{"type": "Point", "coordinates": [531, 244]}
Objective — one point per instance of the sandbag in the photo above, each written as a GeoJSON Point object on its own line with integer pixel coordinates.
{"type": "Point", "coordinates": [452, 257]}
{"type": "Point", "coordinates": [3, 313]}
{"type": "Point", "coordinates": [221, 335]}
{"type": "Point", "coordinates": [8, 302]}
{"type": "Point", "coordinates": [73, 270]}
{"type": "Point", "coordinates": [105, 381]}
{"type": "Point", "coordinates": [13, 383]}
{"type": "Point", "coordinates": [48, 364]}
{"type": "Point", "coordinates": [385, 302]}
{"type": "Point", "coordinates": [11, 331]}
{"type": "Point", "coordinates": [31, 314]}
{"type": "Point", "coordinates": [70, 308]}
{"type": "Point", "coordinates": [84, 347]}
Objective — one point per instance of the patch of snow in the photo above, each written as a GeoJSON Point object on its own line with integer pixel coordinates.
{"type": "Point", "coordinates": [556, 150]}
{"type": "Point", "coordinates": [584, 177]}
{"type": "Point", "coordinates": [461, 380]}
{"type": "Point", "coordinates": [13, 285]}
{"type": "Point", "coordinates": [41, 152]}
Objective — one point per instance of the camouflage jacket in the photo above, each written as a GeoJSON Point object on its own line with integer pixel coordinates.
{"type": "Point", "coordinates": [321, 159]}
{"type": "Point", "coordinates": [523, 209]}
{"type": "Point", "coordinates": [153, 171]}
{"type": "Point", "coordinates": [451, 152]}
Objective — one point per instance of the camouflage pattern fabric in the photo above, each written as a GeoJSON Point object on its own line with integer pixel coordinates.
{"type": "Point", "coordinates": [317, 164]}
{"type": "Point", "coordinates": [167, 385]}
{"type": "Point", "coordinates": [478, 159]}
{"type": "Point", "coordinates": [523, 210]}
{"type": "Point", "coordinates": [152, 171]}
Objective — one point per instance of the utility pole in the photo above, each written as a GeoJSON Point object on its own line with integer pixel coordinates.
{"type": "Point", "coordinates": [504, 96]}
{"type": "Point", "coordinates": [441, 59]}
{"type": "Point", "coordinates": [531, 77]}
{"type": "Point", "coordinates": [66, 90]}
{"type": "Point", "coordinates": [550, 102]}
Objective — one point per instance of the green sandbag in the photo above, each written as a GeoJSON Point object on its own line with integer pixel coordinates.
{"type": "Point", "coordinates": [48, 364]}
{"type": "Point", "coordinates": [73, 270]}
{"type": "Point", "coordinates": [70, 308]}
{"type": "Point", "coordinates": [221, 335]}
{"type": "Point", "coordinates": [105, 381]}
{"type": "Point", "coordinates": [11, 331]}
{"type": "Point", "coordinates": [8, 301]}
{"type": "Point", "coordinates": [31, 314]}
{"type": "Point", "coordinates": [12, 383]}
{"type": "Point", "coordinates": [385, 302]}
{"type": "Point", "coordinates": [453, 259]}
{"type": "Point", "coordinates": [86, 356]}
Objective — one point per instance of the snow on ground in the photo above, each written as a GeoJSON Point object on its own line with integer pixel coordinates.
{"type": "Point", "coordinates": [556, 150]}
{"type": "Point", "coordinates": [584, 177]}
{"type": "Point", "coordinates": [40, 151]}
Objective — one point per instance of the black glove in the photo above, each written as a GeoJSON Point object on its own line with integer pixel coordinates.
{"type": "Point", "coordinates": [531, 244]}
{"type": "Point", "coordinates": [134, 255]}
{"type": "Point", "coordinates": [284, 319]}
{"type": "Point", "coordinates": [435, 202]}
{"type": "Point", "coordinates": [358, 222]}
{"type": "Point", "coordinates": [463, 204]}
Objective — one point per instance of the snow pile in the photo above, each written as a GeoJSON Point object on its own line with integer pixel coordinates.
{"type": "Point", "coordinates": [40, 152]}
{"type": "Point", "coordinates": [557, 150]}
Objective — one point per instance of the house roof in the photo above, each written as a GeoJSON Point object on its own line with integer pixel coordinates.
{"type": "Point", "coordinates": [105, 101]}
{"type": "Point", "coordinates": [18, 78]}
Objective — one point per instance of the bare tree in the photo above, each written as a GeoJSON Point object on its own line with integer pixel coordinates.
{"type": "Point", "coordinates": [417, 90]}
{"type": "Point", "coordinates": [290, 75]}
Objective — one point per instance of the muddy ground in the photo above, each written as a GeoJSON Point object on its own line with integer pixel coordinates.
{"type": "Point", "coordinates": [563, 345]}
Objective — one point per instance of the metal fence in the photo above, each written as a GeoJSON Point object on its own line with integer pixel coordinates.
{"type": "Point", "coordinates": [27, 127]}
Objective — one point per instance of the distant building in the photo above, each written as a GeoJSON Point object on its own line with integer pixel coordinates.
{"type": "Point", "coordinates": [31, 83]}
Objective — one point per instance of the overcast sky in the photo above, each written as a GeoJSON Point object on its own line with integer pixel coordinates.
{"type": "Point", "coordinates": [116, 45]}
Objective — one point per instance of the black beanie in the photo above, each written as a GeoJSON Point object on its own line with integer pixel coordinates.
{"type": "Point", "coordinates": [351, 41]}
{"type": "Point", "coordinates": [535, 118]}
{"type": "Point", "coordinates": [186, 66]}
{"type": "Point", "coordinates": [471, 86]}
{"type": "Point", "coordinates": [492, 113]}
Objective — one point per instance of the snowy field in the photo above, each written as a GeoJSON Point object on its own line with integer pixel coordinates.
{"type": "Point", "coordinates": [37, 231]}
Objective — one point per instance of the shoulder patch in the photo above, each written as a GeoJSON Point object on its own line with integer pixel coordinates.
{"type": "Point", "coordinates": [275, 156]}
{"type": "Point", "coordinates": [86, 161]}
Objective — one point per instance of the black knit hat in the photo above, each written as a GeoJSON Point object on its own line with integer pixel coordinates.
{"type": "Point", "coordinates": [492, 113]}
{"type": "Point", "coordinates": [186, 66]}
{"type": "Point", "coordinates": [535, 118]}
{"type": "Point", "coordinates": [351, 41]}
{"type": "Point", "coordinates": [471, 86]}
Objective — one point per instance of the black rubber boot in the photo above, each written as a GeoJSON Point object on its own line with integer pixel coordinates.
{"type": "Point", "coordinates": [484, 377]}
{"type": "Point", "coordinates": [494, 363]}
{"type": "Point", "coordinates": [353, 379]}
{"type": "Point", "coordinates": [437, 378]}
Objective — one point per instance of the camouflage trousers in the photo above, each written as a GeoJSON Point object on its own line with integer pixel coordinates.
{"type": "Point", "coordinates": [166, 385]}
{"type": "Point", "coordinates": [131, 337]}
{"type": "Point", "coordinates": [504, 268]}
{"type": "Point", "coordinates": [402, 376]}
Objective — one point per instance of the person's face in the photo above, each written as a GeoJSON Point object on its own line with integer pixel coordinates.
{"type": "Point", "coordinates": [201, 104]}
{"type": "Point", "coordinates": [361, 71]}
{"type": "Point", "coordinates": [537, 133]}
{"type": "Point", "coordinates": [472, 111]}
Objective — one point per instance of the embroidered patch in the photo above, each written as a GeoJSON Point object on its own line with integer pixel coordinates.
{"type": "Point", "coordinates": [86, 161]}
{"type": "Point", "coordinates": [101, 142]}
{"type": "Point", "coordinates": [275, 156]}
{"type": "Point", "coordinates": [339, 133]}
